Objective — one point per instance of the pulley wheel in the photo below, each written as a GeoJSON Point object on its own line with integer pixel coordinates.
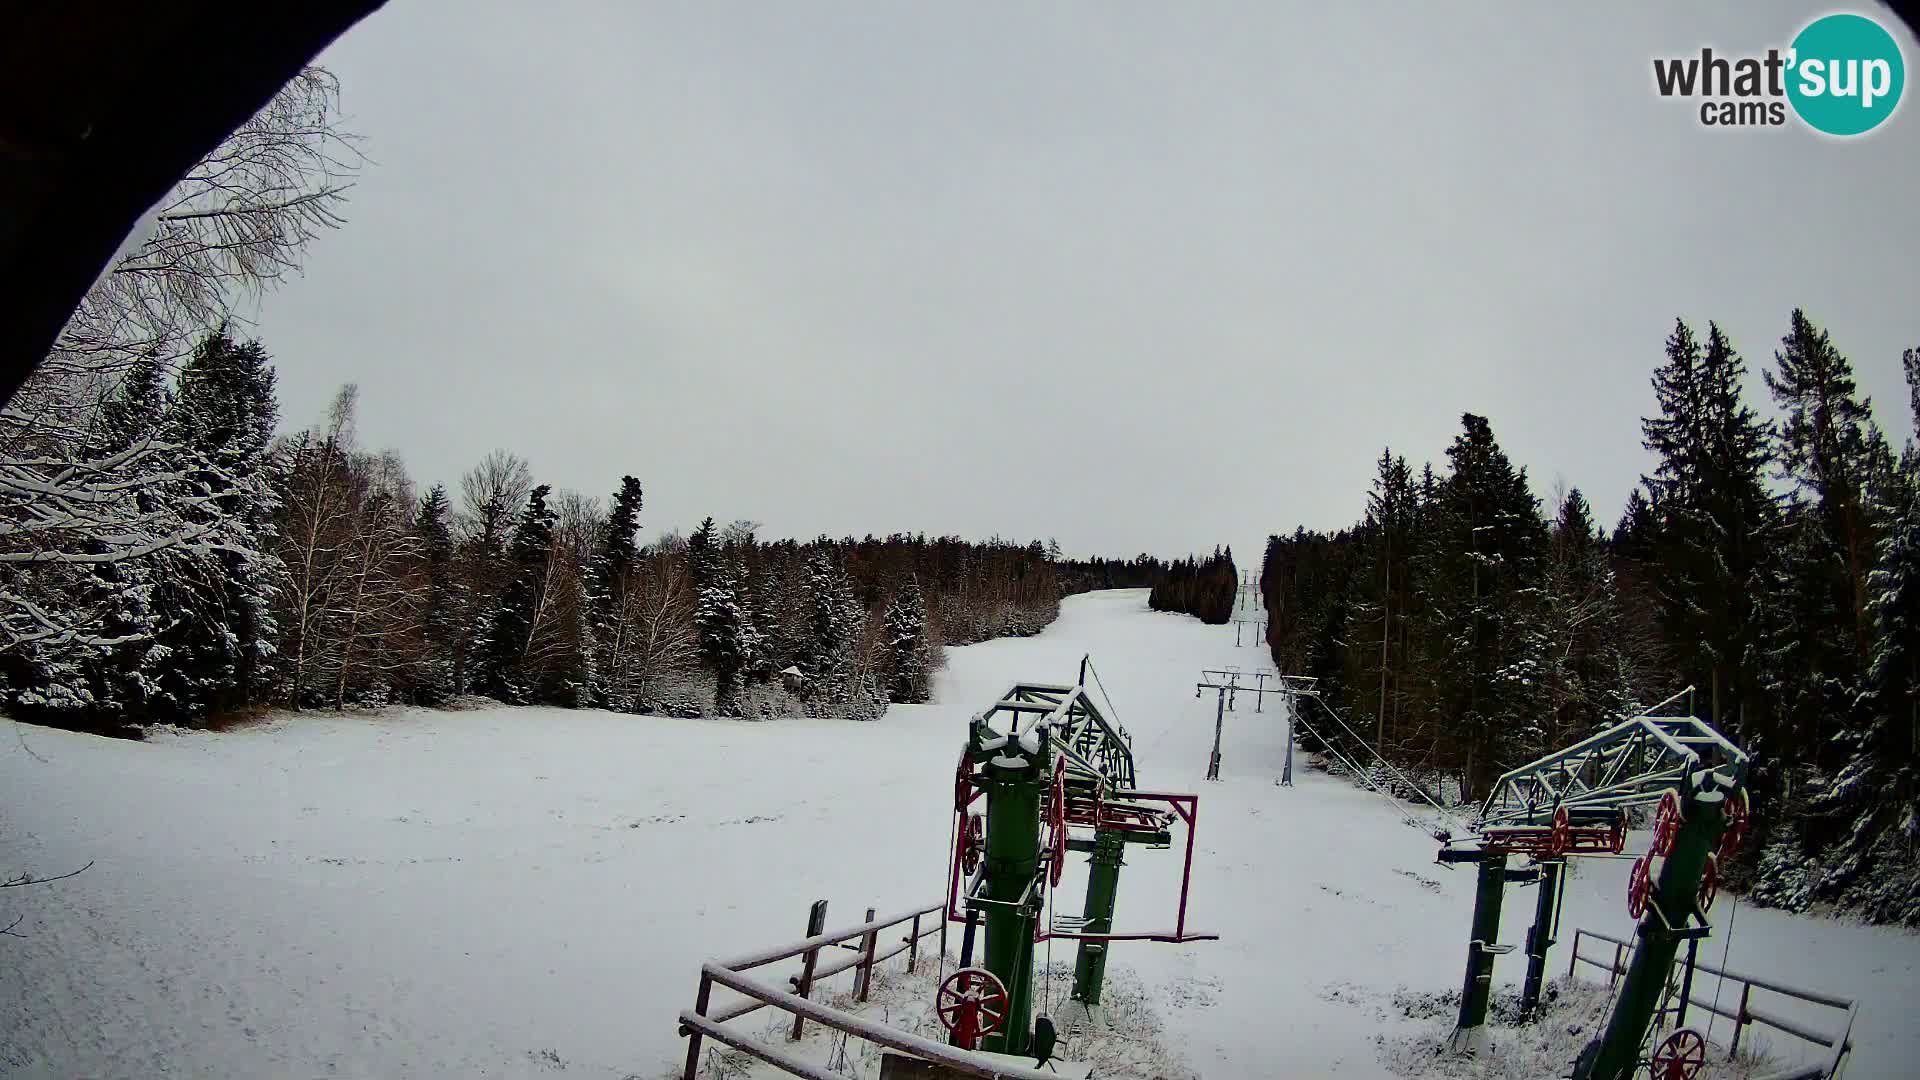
{"type": "Point", "coordinates": [1666, 824]}
{"type": "Point", "coordinates": [973, 843]}
{"type": "Point", "coordinates": [1709, 885]}
{"type": "Point", "coordinates": [1736, 812]}
{"type": "Point", "coordinates": [971, 1002]}
{"type": "Point", "coordinates": [1640, 886]}
{"type": "Point", "coordinates": [1681, 1057]}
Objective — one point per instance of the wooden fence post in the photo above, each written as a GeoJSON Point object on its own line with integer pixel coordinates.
{"type": "Point", "coordinates": [1573, 954]}
{"type": "Point", "coordinates": [693, 1038]}
{"type": "Point", "coordinates": [868, 940]}
{"type": "Point", "coordinates": [913, 945]}
{"type": "Point", "coordinates": [816, 925]}
{"type": "Point", "coordinates": [1613, 973]}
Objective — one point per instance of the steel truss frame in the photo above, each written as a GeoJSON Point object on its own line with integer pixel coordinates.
{"type": "Point", "coordinates": [1632, 763]}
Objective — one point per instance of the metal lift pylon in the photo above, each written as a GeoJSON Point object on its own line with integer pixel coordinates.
{"type": "Point", "coordinates": [1574, 802]}
{"type": "Point", "coordinates": [1227, 686]}
{"type": "Point", "coordinates": [1047, 761]}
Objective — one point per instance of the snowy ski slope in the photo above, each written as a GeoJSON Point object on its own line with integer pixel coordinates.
{"type": "Point", "coordinates": [529, 892]}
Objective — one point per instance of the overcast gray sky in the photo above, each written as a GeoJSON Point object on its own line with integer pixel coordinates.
{"type": "Point", "coordinates": [1137, 276]}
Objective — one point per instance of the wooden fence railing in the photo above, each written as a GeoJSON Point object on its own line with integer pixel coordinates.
{"type": "Point", "coordinates": [1837, 1042]}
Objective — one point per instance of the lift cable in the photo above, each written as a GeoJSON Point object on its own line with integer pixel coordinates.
{"type": "Point", "coordinates": [1366, 778]}
{"type": "Point", "coordinates": [1417, 789]}
{"type": "Point", "coordinates": [953, 852]}
{"type": "Point", "coordinates": [1087, 662]}
{"type": "Point", "coordinates": [1046, 973]}
{"type": "Point", "coordinates": [1726, 947]}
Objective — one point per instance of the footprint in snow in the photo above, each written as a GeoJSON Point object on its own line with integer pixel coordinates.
{"type": "Point", "coordinates": [657, 819]}
{"type": "Point", "coordinates": [1426, 883]}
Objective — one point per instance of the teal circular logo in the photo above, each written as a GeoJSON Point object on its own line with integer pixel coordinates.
{"type": "Point", "coordinates": [1845, 74]}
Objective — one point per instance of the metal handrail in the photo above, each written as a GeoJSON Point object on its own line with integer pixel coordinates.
{"type": "Point", "coordinates": [703, 1021]}
{"type": "Point", "coordinates": [788, 952]}
{"type": "Point", "coordinates": [953, 1057]}
{"type": "Point", "coordinates": [1840, 1044]}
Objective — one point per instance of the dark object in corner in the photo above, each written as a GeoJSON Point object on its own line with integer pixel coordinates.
{"type": "Point", "coordinates": [107, 107]}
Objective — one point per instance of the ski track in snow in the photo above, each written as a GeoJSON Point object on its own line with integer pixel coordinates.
{"type": "Point", "coordinates": [515, 892]}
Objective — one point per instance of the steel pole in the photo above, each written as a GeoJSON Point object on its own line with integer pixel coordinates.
{"type": "Point", "coordinates": [1103, 883]}
{"type": "Point", "coordinates": [1014, 782]}
{"type": "Point", "coordinates": [1540, 936]}
{"type": "Point", "coordinates": [1286, 764]}
{"type": "Point", "coordinates": [1478, 987]}
{"type": "Point", "coordinates": [1219, 719]}
{"type": "Point", "coordinates": [1675, 895]}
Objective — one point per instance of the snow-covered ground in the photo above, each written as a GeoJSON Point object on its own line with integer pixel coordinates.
{"type": "Point", "coordinates": [514, 892]}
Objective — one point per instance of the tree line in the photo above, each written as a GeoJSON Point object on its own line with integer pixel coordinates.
{"type": "Point", "coordinates": [307, 571]}
{"type": "Point", "coordinates": [1773, 565]}
{"type": "Point", "coordinates": [1203, 588]}
{"type": "Point", "coordinates": [166, 557]}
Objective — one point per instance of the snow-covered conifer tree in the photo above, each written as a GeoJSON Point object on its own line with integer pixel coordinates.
{"type": "Point", "coordinates": [908, 650]}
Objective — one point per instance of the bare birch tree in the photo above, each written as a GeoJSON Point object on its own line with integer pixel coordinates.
{"type": "Point", "coordinates": [658, 637]}
{"type": "Point", "coordinates": [235, 225]}
{"type": "Point", "coordinates": [492, 492]}
{"type": "Point", "coordinates": [377, 612]}
{"type": "Point", "coordinates": [315, 504]}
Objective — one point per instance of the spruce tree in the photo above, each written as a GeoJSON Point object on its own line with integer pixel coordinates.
{"type": "Point", "coordinates": [1586, 669]}
{"type": "Point", "coordinates": [92, 663]}
{"type": "Point", "coordinates": [114, 671]}
{"type": "Point", "coordinates": [509, 634]}
{"type": "Point", "coordinates": [748, 588]}
{"type": "Point", "coordinates": [1826, 446]}
{"type": "Point", "coordinates": [718, 620]}
{"type": "Point", "coordinates": [1482, 572]}
{"type": "Point", "coordinates": [436, 680]}
{"type": "Point", "coordinates": [618, 546]}
{"type": "Point", "coordinates": [1717, 524]}
{"type": "Point", "coordinates": [1867, 822]}
{"type": "Point", "coordinates": [1818, 634]}
{"type": "Point", "coordinates": [221, 587]}
{"type": "Point", "coordinates": [609, 576]}
{"type": "Point", "coordinates": [767, 651]}
{"type": "Point", "coordinates": [134, 412]}
{"type": "Point", "coordinates": [1378, 609]}
{"type": "Point", "coordinates": [703, 553]}
{"type": "Point", "coordinates": [832, 611]}
{"type": "Point", "coordinates": [907, 647]}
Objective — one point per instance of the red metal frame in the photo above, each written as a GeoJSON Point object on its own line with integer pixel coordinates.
{"type": "Point", "coordinates": [1557, 839]}
{"type": "Point", "coordinates": [1187, 806]}
{"type": "Point", "coordinates": [953, 886]}
{"type": "Point", "coordinates": [1096, 813]}
{"type": "Point", "coordinates": [1126, 819]}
